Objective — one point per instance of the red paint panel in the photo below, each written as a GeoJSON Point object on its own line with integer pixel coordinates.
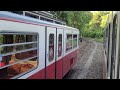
{"type": "Point", "coordinates": [72, 58]}
{"type": "Point", "coordinates": [59, 69]}
{"type": "Point", "coordinates": [69, 61]}
{"type": "Point", "coordinates": [50, 71]}
{"type": "Point", "coordinates": [74, 61]}
{"type": "Point", "coordinates": [38, 75]}
{"type": "Point", "coordinates": [66, 64]}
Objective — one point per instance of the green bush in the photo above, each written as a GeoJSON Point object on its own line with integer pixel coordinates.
{"type": "Point", "coordinates": [92, 34]}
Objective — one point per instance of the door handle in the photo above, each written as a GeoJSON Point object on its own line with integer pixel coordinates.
{"type": "Point", "coordinates": [47, 55]}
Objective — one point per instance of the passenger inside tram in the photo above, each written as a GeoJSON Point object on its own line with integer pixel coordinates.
{"type": "Point", "coordinates": [9, 64]}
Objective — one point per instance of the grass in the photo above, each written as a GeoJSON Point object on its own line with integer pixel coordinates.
{"type": "Point", "coordinates": [100, 40]}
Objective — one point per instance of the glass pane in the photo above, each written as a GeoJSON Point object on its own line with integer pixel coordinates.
{"type": "Point", "coordinates": [60, 45]}
{"type": "Point", "coordinates": [30, 38]}
{"type": "Point", "coordinates": [7, 49]}
{"type": "Point", "coordinates": [74, 41]}
{"type": "Point", "coordinates": [11, 59]}
{"type": "Point", "coordinates": [20, 38]}
{"type": "Point", "coordinates": [51, 47]}
{"type": "Point", "coordinates": [69, 42]}
{"type": "Point", "coordinates": [6, 39]}
{"type": "Point", "coordinates": [6, 60]}
{"type": "Point", "coordinates": [17, 69]}
{"type": "Point", "coordinates": [74, 36]}
{"type": "Point", "coordinates": [25, 55]}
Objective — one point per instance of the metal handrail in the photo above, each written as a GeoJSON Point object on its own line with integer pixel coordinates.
{"type": "Point", "coordinates": [39, 16]}
{"type": "Point", "coordinates": [10, 53]}
{"type": "Point", "coordinates": [25, 43]}
{"type": "Point", "coordinates": [18, 62]}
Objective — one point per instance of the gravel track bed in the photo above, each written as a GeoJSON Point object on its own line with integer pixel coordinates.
{"type": "Point", "coordinates": [95, 69]}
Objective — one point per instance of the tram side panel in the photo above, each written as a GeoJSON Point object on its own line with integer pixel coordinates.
{"type": "Point", "coordinates": [75, 48]}
{"type": "Point", "coordinates": [67, 51]}
{"type": "Point", "coordinates": [59, 52]}
{"type": "Point", "coordinates": [40, 74]}
{"type": "Point", "coordinates": [50, 52]}
{"type": "Point", "coordinates": [70, 50]}
{"type": "Point", "coordinates": [17, 27]}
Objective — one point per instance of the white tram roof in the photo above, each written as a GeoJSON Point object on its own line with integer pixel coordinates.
{"type": "Point", "coordinates": [11, 15]}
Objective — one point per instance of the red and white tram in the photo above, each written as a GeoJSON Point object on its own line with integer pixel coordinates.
{"type": "Point", "coordinates": [35, 49]}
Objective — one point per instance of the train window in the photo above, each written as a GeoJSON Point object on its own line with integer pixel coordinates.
{"type": "Point", "coordinates": [51, 47]}
{"type": "Point", "coordinates": [59, 45]}
{"type": "Point", "coordinates": [18, 54]}
{"type": "Point", "coordinates": [74, 41]}
{"type": "Point", "coordinates": [69, 42]}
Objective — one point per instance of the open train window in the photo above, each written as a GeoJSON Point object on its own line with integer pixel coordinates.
{"type": "Point", "coordinates": [31, 15]}
{"type": "Point", "coordinates": [51, 47]}
{"type": "Point", "coordinates": [18, 54]}
{"type": "Point", "coordinates": [74, 41]}
{"type": "Point", "coordinates": [113, 54]}
{"type": "Point", "coordinates": [59, 45]}
{"type": "Point", "coordinates": [68, 42]}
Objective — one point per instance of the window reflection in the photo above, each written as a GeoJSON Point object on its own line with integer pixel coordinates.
{"type": "Point", "coordinates": [59, 45]}
{"type": "Point", "coordinates": [51, 47]}
{"type": "Point", "coordinates": [69, 42]}
{"type": "Point", "coordinates": [16, 59]}
{"type": "Point", "coordinates": [74, 41]}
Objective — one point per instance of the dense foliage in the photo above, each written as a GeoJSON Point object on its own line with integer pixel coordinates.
{"type": "Point", "coordinates": [90, 24]}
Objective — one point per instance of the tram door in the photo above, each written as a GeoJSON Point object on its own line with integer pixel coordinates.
{"type": "Point", "coordinates": [50, 52]}
{"type": "Point", "coordinates": [59, 52]}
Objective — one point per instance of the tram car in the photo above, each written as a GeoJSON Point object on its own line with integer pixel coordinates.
{"type": "Point", "coordinates": [34, 49]}
{"type": "Point", "coordinates": [112, 45]}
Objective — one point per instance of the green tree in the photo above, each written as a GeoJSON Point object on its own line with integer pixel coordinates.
{"type": "Point", "coordinates": [89, 24]}
{"type": "Point", "coordinates": [97, 24]}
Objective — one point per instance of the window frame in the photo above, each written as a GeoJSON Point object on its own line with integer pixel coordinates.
{"type": "Point", "coordinates": [76, 45]}
{"type": "Point", "coordinates": [53, 47]}
{"type": "Point", "coordinates": [66, 42]}
{"type": "Point", "coordinates": [23, 60]}
{"type": "Point", "coordinates": [61, 45]}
